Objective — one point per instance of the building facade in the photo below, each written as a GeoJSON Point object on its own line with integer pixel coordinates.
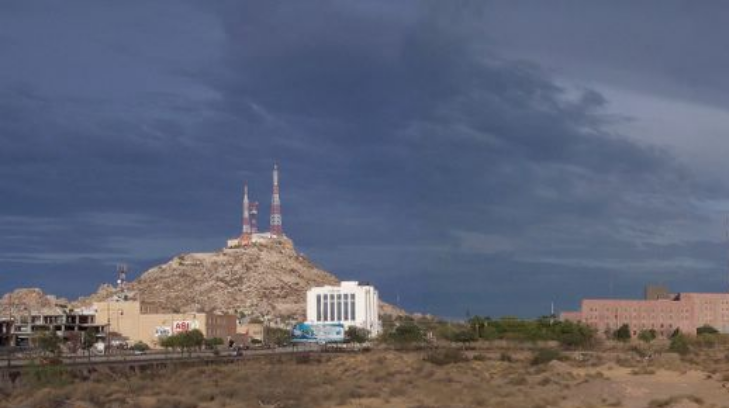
{"type": "Point", "coordinates": [65, 323]}
{"type": "Point", "coordinates": [130, 320]}
{"type": "Point", "coordinates": [664, 314]}
{"type": "Point", "coordinates": [351, 303]}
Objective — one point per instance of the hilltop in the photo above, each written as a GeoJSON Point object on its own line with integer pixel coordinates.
{"type": "Point", "coordinates": [267, 278]}
{"type": "Point", "coordinates": [24, 300]}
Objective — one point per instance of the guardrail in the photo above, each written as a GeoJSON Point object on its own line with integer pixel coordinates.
{"type": "Point", "coordinates": [20, 360]}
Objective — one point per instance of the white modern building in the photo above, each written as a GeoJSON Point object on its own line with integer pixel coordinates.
{"type": "Point", "coordinates": [351, 303]}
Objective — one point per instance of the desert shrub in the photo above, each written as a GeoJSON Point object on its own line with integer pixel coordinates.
{"type": "Point", "coordinates": [406, 334]}
{"type": "Point", "coordinates": [506, 357]}
{"type": "Point", "coordinates": [445, 356]}
{"type": "Point", "coordinates": [574, 335]}
{"type": "Point", "coordinates": [647, 336]}
{"type": "Point", "coordinates": [357, 335]}
{"type": "Point", "coordinates": [305, 359]}
{"type": "Point", "coordinates": [544, 356]}
{"type": "Point", "coordinates": [48, 372]}
{"type": "Point", "coordinates": [479, 357]}
{"type": "Point", "coordinates": [706, 329]}
{"type": "Point", "coordinates": [671, 401]}
{"type": "Point", "coordinates": [679, 344]}
{"type": "Point", "coordinates": [642, 371]}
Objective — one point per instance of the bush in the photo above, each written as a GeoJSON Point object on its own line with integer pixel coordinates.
{"type": "Point", "coordinates": [622, 334]}
{"type": "Point", "coordinates": [406, 334]}
{"type": "Point", "coordinates": [140, 346]}
{"type": "Point", "coordinates": [647, 336]}
{"type": "Point", "coordinates": [445, 356]}
{"type": "Point", "coordinates": [679, 344]}
{"type": "Point", "coordinates": [574, 335]}
{"type": "Point", "coordinates": [706, 329]}
{"type": "Point", "coordinates": [544, 356]}
{"type": "Point", "coordinates": [357, 335]}
{"type": "Point", "coordinates": [506, 357]}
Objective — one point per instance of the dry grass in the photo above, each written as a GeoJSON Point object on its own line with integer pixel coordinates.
{"type": "Point", "coordinates": [395, 380]}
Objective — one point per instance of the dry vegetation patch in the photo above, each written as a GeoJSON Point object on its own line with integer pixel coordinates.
{"type": "Point", "coordinates": [443, 378]}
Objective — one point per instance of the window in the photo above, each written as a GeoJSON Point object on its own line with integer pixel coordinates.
{"type": "Point", "coordinates": [346, 306]}
{"type": "Point", "coordinates": [339, 307]}
{"type": "Point", "coordinates": [326, 308]}
{"type": "Point", "coordinates": [332, 308]}
{"type": "Point", "coordinates": [352, 309]}
{"type": "Point", "coordinates": [318, 308]}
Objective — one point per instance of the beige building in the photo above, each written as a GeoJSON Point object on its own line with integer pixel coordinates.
{"type": "Point", "coordinates": [252, 330]}
{"type": "Point", "coordinates": [140, 322]}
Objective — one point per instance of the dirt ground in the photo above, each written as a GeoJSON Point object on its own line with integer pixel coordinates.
{"type": "Point", "coordinates": [483, 378]}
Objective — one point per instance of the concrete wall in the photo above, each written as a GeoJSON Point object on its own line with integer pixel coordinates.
{"type": "Point", "coordinates": [126, 318]}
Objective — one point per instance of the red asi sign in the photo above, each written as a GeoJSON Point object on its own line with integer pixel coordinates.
{"type": "Point", "coordinates": [182, 326]}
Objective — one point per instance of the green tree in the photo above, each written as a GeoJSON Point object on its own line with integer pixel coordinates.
{"type": "Point", "coordinates": [87, 342]}
{"type": "Point", "coordinates": [572, 335]}
{"type": "Point", "coordinates": [195, 339]}
{"type": "Point", "coordinates": [647, 336]}
{"type": "Point", "coordinates": [356, 334]}
{"type": "Point", "coordinates": [140, 346]}
{"type": "Point", "coordinates": [406, 334]}
{"type": "Point", "coordinates": [49, 343]}
{"type": "Point", "coordinates": [171, 342]}
{"type": "Point", "coordinates": [213, 343]}
{"type": "Point", "coordinates": [622, 334]}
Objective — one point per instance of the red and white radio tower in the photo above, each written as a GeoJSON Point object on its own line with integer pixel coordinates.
{"type": "Point", "coordinates": [245, 238]}
{"type": "Point", "coordinates": [254, 217]}
{"type": "Point", "coordinates": [276, 228]}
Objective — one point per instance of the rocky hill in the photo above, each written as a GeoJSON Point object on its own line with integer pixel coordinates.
{"type": "Point", "coordinates": [267, 278]}
{"type": "Point", "coordinates": [24, 300]}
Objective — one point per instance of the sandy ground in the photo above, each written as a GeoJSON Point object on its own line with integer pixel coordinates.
{"type": "Point", "coordinates": [399, 380]}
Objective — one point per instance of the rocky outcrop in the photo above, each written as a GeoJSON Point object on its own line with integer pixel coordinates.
{"type": "Point", "coordinates": [24, 300]}
{"type": "Point", "coordinates": [265, 279]}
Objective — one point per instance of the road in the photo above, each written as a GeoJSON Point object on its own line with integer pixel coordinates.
{"type": "Point", "coordinates": [159, 356]}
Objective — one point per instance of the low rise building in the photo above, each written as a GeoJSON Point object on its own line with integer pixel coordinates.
{"type": "Point", "coordinates": [659, 311]}
{"type": "Point", "coordinates": [351, 303]}
{"type": "Point", "coordinates": [6, 327]}
{"type": "Point", "coordinates": [63, 321]}
{"type": "Point", "coordinates": [131, 320]}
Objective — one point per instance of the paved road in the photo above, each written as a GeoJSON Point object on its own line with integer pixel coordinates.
{"type": "Point", "coordinates": [160, 356]}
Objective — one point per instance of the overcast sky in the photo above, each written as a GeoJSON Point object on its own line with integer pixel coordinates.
{"type": "Point", "coordinates": [464, 156]}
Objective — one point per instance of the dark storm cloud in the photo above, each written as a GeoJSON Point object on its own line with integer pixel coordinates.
{"type": "Point", "coordinates": [413, 152]}
{"type": "Point", "coordinates": [670, 47]}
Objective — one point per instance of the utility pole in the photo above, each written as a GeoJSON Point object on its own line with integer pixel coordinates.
{"type": "Point", "coordinates": [551, 314]}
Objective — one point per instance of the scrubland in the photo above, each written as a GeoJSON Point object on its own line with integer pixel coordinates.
{"type": "Point", "coordinates": [499, 376]}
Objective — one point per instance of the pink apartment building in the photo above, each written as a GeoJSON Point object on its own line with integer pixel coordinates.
{"type": "Point", "coordinates": [685, 311]}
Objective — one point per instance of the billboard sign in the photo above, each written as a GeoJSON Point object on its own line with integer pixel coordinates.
{"type": "Point", "coordinates": [317, 333]}
{"type": "Point", "coordinates": [162, 331]}
{"type": "Point", "coordinates": [184, 326]}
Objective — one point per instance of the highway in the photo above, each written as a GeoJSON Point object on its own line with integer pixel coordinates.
{"type": "Point", "coordinates": [128, 357]}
